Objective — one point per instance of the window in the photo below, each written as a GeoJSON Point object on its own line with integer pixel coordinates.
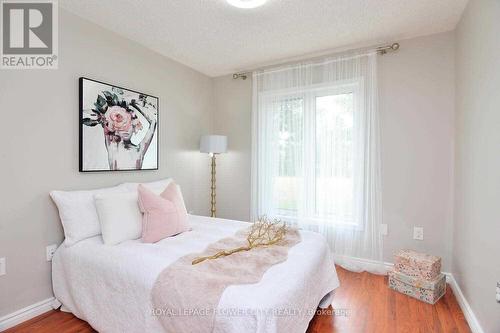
{"type": "Point", "coordinates": [309, 169]}
{"type": "Point", "coordinates": [316, 151]}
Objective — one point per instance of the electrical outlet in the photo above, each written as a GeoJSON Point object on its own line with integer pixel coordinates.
{"type": "Point", "coordinates": [498, 292]}
{"type": "Point", "coordinates": [418, 233]}
{"type": "Point", "coordinates": [50, 250]}
{"type": "Point", "coordinates": [3, 268]}
{"type": "Point", "coordinates": [383, 229]}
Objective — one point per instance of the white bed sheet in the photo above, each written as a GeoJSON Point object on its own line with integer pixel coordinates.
{"type": "Point", "coordinates": [109, 286]}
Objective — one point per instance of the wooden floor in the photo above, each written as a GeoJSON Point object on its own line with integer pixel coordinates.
{"type": "Point", "coordinates": [363, 303]}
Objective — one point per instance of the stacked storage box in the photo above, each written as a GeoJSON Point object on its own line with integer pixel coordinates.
{"type": "Point", "coordinates": [418, 275]}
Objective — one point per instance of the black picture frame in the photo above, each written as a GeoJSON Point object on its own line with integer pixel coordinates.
{"type": "Point", "coordinates": [82, 122]}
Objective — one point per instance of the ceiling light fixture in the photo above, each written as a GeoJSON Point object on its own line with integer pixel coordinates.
{"type": "Point", "coordinates": [246, 3]}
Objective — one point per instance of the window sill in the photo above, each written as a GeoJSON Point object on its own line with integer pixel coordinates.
{"type": "Point", "coordinates": [314, 223]}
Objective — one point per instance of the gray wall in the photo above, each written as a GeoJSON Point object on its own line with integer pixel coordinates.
{"type": "Point", "coordinates": [417, 115]}
{"type": "Point", "coordinates": [476, 252]}
{"type": "Point", "coordinates": [233, 117]}
{"type": "Point", "coordinates": [39, 135]}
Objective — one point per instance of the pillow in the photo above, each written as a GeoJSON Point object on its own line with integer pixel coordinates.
{"type": "Point", "coordinates": [164, 215]}
{"type": "Point", "coordinates": [157, 186]}
{"type": "Point", "coordinates": [120, 217]}
{"type": "Point", "coordinates": [78, 213]}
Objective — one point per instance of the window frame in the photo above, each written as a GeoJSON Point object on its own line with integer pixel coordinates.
{"type": "Point", "coordinates": [309, 96]}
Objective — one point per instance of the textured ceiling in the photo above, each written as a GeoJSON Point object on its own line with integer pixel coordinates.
{"type": "Point", "coordinates": [216, 39]}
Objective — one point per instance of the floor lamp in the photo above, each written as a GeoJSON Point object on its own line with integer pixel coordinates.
{"type": "Point", "coordinates": [213, 145]}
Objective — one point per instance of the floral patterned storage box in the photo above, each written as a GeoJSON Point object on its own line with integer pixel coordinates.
{"type": "Point", "coordinates": [418, 265]}
{"type": "Point", "coordinates": [426, 291]}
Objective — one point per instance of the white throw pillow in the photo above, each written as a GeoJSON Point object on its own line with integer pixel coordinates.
{"type": "Point", "coordinates": [78, 212]}
{"type": "Point", "coordinates": [120, 217]}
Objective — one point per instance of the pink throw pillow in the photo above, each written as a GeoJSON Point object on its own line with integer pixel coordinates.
{"type": "Point", "coordinates": [165, 215]}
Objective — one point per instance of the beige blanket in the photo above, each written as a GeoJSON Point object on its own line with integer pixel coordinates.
{"type": "Point", "coordinates": [185, 296]}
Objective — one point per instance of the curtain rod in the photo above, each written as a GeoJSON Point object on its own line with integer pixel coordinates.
{"type": "Point", "coordinates": [380, 50]}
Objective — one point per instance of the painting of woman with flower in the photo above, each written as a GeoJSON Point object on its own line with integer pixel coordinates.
{"type": "Point", "coordinates": [118, 128]}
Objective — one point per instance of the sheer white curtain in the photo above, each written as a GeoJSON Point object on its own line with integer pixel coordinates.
{"type": "Point", "coordinates": [315, 153]}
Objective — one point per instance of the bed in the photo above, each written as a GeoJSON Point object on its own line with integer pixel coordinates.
{"type": "Point", "coordinates": [110, 286]}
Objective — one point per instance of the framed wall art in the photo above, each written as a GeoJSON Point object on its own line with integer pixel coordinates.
{"type": "Point", "coordinates": [118, 128]}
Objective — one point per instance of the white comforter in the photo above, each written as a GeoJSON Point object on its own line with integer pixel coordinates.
{"type": "Point", "coordinates": [110, 286]}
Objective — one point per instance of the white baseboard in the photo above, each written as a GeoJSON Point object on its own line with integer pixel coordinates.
{"type": "Point", "coordinates": [464, 305]}
{"type": "Point", "coordinates": [26, 313]}
{"type": "Point", "coordinates": [356, 264]}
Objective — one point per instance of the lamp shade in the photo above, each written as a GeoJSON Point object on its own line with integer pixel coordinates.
{"type": "Point", "coordinates": [215, 144]}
